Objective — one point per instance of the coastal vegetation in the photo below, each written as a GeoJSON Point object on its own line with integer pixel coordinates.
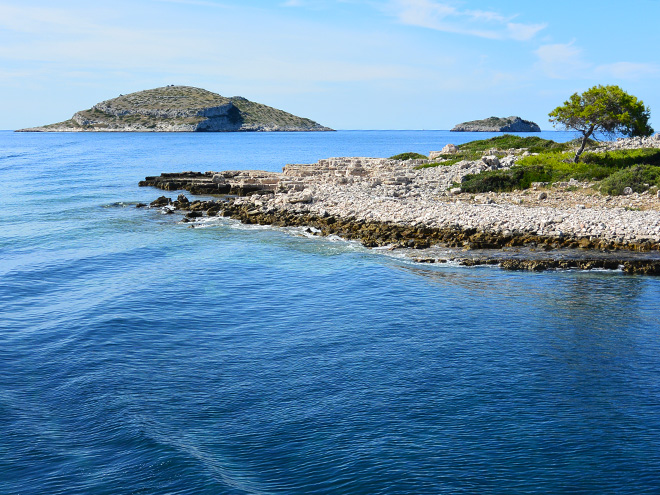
{"type": "Point", "coordinates": [600, 111]}
{"type": "Point", "coordinates": [474, 150]}
{"type": "Point", "coordinates": [410, 155]}
{"type": "Point", "coordinates": [533, 144]}
{"type": "Point", "coordinates": [638, 178]}
{"type": "Point", "coordinates": [606, 110]}
{"type": "Point", "coordinates": [546, 161]}
{"type": "Point", "coordinates": [610, 171]}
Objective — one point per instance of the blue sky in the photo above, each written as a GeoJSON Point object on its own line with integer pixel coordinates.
{"type": "Point", "coordinates": [348, 64]}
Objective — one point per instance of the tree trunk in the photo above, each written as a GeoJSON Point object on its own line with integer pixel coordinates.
{"type": "Point", "coordinates": [585, 137]}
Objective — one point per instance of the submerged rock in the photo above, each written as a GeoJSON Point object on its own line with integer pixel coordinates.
{"type": "Point", "coordinates": [161, 201]}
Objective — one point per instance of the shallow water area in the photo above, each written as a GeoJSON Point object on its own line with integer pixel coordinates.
{"type": "Point", "coordinates": [139, 355]}
{"type": "Point", "coordinates": [437, 253]}
{"type": "Point", "coordinates": [530, 253]}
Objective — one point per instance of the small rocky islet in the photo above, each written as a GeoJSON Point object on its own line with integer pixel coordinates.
{"type": "Point", "coordinates": [180, 109]}
{"type": "Point", "coordinates": [397, 204]}
{"type": "Point", "coordinates": [498, 124]}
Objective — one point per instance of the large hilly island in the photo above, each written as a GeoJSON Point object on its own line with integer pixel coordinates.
{"type": "Point", "coordinates": [498, 124]}
{"type": "Point", "coordinates": [180, 109]}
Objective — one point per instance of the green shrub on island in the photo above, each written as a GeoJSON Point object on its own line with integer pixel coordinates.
{"type": "Point", "coordinates": [447, 161]}
{"type": "Point", "coordinates": [624, 158]}
{"type": "Point", "coordinates": [639, 178]}
{"type": "Point", "coordinates": [606, 110]}
{"type": "Point", "coordinates": [409, 156]}
{"type": "Point", "coordinates": [638, 169]}
{"type": "Point", "coordinates": [505, 180]}
{"type": "Point", "coordinates": [474, 150]}
{"type": "Point", "coordinates": [533, 144]}
{"type": "Point", "coordinates": [561, 167]}
{"type": "Point", "coordinates": [593, 166]}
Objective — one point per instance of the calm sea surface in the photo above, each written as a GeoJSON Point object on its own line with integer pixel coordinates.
{"type": "Point", "coordinates": [138, 355]}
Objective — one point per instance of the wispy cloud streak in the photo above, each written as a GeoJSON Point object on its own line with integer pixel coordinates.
{"type": "Point", "coordinates": [567, 61]}
{"type": "Point", "coordinates": [629, 70]}
{"type": "Point", "coordinates": [561, 61]}
{"type": "Point", "coordinates": [442, 16]}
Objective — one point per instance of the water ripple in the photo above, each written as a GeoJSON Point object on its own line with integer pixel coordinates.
{"type": "Point", "coordinates": [140, 356]}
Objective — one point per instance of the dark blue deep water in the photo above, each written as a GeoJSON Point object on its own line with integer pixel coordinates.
{"type": "Point", "coordinates": [140, 356]}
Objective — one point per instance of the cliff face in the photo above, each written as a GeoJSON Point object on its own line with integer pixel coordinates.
{"type": "Point", "coordinates": [497, 124]}
{"type": "Point", "coordinates": [180, 109]}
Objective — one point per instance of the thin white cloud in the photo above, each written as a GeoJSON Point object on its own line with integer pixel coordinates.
{"type": "Point", "coordinates": [60, 41]}
{"type": "Point", "coordinates": [487, 16]}
{"type": "Point", "coordinates": [442, 16]}
{"type": "Point", "coordinates": [561, 61]}
{"type": "Point", "coordinates": [523, 32]}
{"type": "Point", "coordinates": [201, 3]}
{"type": "Point", "coordinates": [313, 4]}
{"type": "Point", "coordinates": [36, 19]}
{"type": "Point", "coordinates": [567, 61]}
{"type": "Point", "coordinates": [629, 70]}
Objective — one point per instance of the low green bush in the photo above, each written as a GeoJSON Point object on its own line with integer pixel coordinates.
{"type": "Point", "coordinates": [534, 144]}
{"type": "Point", "coordinates": [552, 162]}
{"type": "Point", "coordinates": [561, 167]}
{"type": "Point", "coordinates": [409, 156]}
{"type": "Point", "coordinates": [639, 178]}
{"type": "Point", "coordinates": [447, 162]}
{"type": "Point", "coordinates": [474, 149]}
{"type": "Point", "coordinates": [624, 158]}
{"type": "Point", "coordinates": [637, 169]}
{"type": "Point", "coordinates": [505, 180]}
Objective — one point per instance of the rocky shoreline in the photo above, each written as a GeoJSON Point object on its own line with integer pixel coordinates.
{"type": "Point", "coordinates": [552, 251]}
{"type": "Point", "coordinates": [395, 204]}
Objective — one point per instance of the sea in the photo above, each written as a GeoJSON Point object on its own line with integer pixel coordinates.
{"type": "Point", "coordinates": [141, 356]}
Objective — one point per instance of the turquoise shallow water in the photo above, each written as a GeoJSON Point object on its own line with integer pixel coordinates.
{"type": "Point", "coordinates": [141, 356]}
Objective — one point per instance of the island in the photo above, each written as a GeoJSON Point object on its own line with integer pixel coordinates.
{"type": "Point", "coordinates": [472, 205]}
{"type": "Point", "coordinates": [498, 124]}
{"type": "Point", "coordinates": [180, 109]}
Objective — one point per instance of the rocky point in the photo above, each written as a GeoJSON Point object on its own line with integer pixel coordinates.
{"type": "Point", "coordinates": [400, 204]}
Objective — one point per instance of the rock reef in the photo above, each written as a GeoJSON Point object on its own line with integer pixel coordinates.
{"type": "Point", "coordinates": [498, 124]}
{"type": "Point", "coordinates": [180, 109]}
{"type": "Point", "coordinates": [396, 204]}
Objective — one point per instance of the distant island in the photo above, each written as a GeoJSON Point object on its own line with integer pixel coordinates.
{"type": "Point", "coordinates": [498, 124]}
{"type": "Point", "coordinates": [180, 109]}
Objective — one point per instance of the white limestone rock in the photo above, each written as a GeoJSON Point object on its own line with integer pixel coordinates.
{"type": "Point", "coordinates": [492, 161]}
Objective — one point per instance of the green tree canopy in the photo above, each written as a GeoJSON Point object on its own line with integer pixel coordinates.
{"type": "Point", "coordinates": [603, 109]}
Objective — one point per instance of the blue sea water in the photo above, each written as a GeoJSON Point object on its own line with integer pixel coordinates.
{"type": "Point", "coordinates": [138, 355]}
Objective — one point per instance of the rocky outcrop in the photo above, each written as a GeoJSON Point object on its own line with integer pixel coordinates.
{"type": "Point", "coordinates": [180, 109]}
{"type": "Point", "coordinates": [398, 204]}
{"type": "Point", "coordinates": [398, 193]}
{"type": "Point", "coordinates": [498, 124]}
{"type": "Point", "coordinates": [234, 182]}
{"type": "Point", "coordinates": [629, 143]}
